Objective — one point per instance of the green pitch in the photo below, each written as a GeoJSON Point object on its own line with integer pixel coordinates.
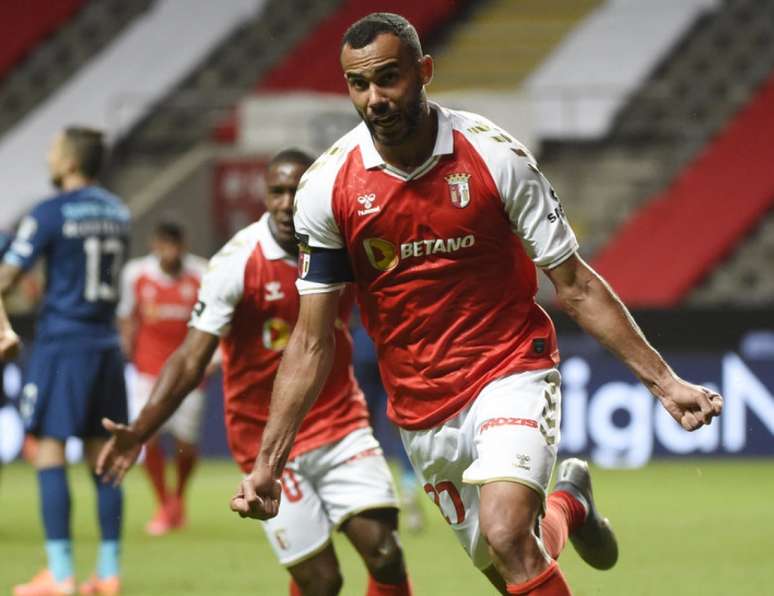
{"type": "Point", "coordinates": [687, 527]}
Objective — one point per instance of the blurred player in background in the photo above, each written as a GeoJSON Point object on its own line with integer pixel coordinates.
{"type": "Point", "coordinates": [440, 219]}
{"type": "Point", "coordinates": [158, 292]}
{"type": "Point", "coordinates": [75, 374]}
{"type": "Point", "coordinates": [337, 477]}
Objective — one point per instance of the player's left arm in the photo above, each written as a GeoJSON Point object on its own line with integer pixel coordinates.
{"type": "Point", "coordinates": [10, 343]}
{"type": "Point", "coordinates": [538, 218]}
{"type": "Point", "coordinates": [33, 236]}
{"type": "Point", "coordinates": [587, 298]}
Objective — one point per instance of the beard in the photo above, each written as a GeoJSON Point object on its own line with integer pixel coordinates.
{"type": "Point", "coordinates": [410, 114]}
{"type": "Point", "coordinates": [57, 181]}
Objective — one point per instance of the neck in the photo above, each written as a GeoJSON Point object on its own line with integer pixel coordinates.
{"type": "Point", "coordinates": [416, 150]}
{"type": "Point", "coordinates": [75, 181]}
{"type": "Point", "coordinates": [289, 247]}
{"type": "Point", "coordinates": [173, 270]}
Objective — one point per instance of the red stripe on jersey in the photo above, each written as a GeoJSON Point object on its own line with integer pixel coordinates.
{"type": "Point", "coordinates": [252, 350]}
{"type": "Point", "coordinates": [445, 287]}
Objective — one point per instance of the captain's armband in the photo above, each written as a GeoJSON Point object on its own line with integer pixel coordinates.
{"type": "Point", "coordinates": [323, 265]}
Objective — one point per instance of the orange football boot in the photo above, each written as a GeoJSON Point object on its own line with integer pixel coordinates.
{"type": "Point", "coordinates": [44, 584]}
{"type": "Point", "coordinates": [110, 586]}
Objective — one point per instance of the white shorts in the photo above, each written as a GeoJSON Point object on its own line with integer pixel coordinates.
{"type": "Point", "coordinates": [322, 489]}
{"type": "Point", "coordinates": [509, 432]}
{"type": "Point", "coordinates": [185, 424]}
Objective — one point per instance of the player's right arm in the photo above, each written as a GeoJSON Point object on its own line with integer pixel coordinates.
{"type": "Point", "coordinates": [182, 373]}
{"type": "Point", "coordinates": [305, 366]}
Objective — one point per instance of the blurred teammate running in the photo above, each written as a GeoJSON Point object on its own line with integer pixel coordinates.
{"type": "Point", "coordinates": [337, 477]}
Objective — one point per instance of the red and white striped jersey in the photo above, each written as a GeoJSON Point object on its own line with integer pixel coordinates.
{"type": "Point", "coordinates": [161, 306]}
{"type": "Point", "coordinates": [443, 259]}
{"type": "Point", "coordinates": [249, 299]}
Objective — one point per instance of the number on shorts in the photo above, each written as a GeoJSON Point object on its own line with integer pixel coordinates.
{"type": "Point", "coordinates": [290, 487]}
{"type": "Point", "coordinates": [447, 487]}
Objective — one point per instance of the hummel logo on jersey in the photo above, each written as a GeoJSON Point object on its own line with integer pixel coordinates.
{"type": "Point", "coordinates": [273, 291]}
{"type": "Point", "coordinates": [367, 201]}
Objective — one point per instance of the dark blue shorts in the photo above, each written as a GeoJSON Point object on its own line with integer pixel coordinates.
{"type": "Point", "coordinates": [67, 392]}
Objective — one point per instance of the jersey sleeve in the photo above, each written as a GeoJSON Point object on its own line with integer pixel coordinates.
{"type": "Point", "coordinates": [35, 233]}
{"type": "Point", "coordinates": [128, 300]}
{"type": "Point", "coordinates": [323, 264]}
{"type": "Point", "coordinates": [535, 212]}
{"type": "Point", "coordinates": [222, 286]}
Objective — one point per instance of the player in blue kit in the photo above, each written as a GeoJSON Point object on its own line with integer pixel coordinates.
{"type": "Point", "coordinates": [74, 376]}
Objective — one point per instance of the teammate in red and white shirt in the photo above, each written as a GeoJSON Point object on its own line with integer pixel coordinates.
{"type": "Point", "coordinates": [439, 218]}
{"type": "Point", "coordinates": [337, 476]}
{"type": "Point", "coordinates": [158, 293]}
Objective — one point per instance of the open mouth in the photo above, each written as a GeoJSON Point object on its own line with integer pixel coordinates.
{"type": "Point", "coordinates": [387, 121]}
{"type": "Point", "coordinates": [285, 226]}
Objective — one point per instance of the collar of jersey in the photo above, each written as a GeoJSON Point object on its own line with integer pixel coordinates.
{"type": "Point", "coordinates": [444, 145]}
{"type": "Point", "coordinates": [269, 246]}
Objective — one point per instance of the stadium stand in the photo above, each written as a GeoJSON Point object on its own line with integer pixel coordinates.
{"type": "Point", "coordinates": [683, 232]}
{"type": "Point", "coordinates": [23, 23]}
{"type": "Point", "coordinates": [672, 114]}
{"type": "Point", "coordinates": [230, 71]}
{"type": "Point", "coordinates": [45, 43]}
{"type": "Point", "coordinates": [744, 279]}
{"type": "Point", "coordinates": [580, 87]}
{"type": "Point", "coordinates": [118, 86]}
{"type": "Point", "coordinates": [318, 56]}
{"type": "Point", "coordinates": [503, 41]}
{"type": "Point", "coordinates": [161, 164]}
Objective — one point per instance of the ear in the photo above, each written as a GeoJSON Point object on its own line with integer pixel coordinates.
{"type": "Point", "coordinates": [426, 67]}
{"type": "Point", "coordinates": [71, 165]}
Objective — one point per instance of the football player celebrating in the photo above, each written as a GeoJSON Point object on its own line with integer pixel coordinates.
{"type": "Point", "coordinates": [336, 476]}
{"type": "Point", "coordinates": [439, 218]}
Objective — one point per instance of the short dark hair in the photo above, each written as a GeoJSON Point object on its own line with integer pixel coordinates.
{"type": "Point", "coordinates": [364, 31]}
{"type": "Point", "coordinates": [169, 231]}
{"type": "Point", "coordinates": [293, 156]}
{"type": "Point", "coordinates": [87, 146]}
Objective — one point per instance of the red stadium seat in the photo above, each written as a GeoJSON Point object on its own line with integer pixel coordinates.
{"type": "Point", "coordinates": [23, 23]}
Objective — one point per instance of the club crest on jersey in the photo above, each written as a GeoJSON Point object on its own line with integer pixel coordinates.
{"type": "Point", "coordinates": [459, 189]}
{"type": "Point", "coordinates": [304, 256]}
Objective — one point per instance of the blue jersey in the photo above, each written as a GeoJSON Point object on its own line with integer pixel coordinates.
{"type": "Point", "coordinates": [84, 236]}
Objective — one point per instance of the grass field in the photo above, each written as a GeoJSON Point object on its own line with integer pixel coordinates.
{"type": "Point", "coordinates": [687, 527]}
